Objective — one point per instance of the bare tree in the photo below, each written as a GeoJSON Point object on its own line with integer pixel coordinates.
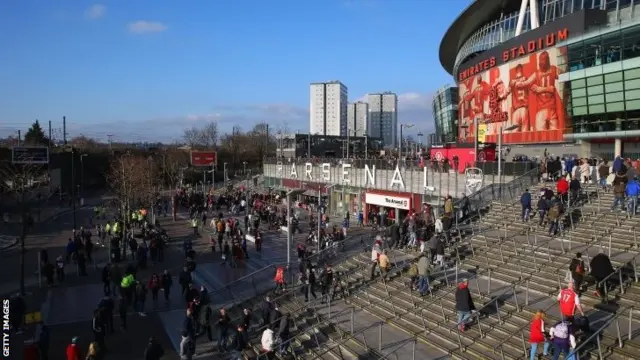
{"type": "Point", "coordinates": [130, 178]}
{"type": "Point", "coordinates": [173, 163]}
{"type": "Point", "coordinates": [209, 135]}
{"type": "Point", "coordinates": [191, 136]}
{"type": "Point", "coordinates": [22, 196]}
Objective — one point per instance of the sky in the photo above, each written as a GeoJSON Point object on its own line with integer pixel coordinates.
{"type": "Point", "coordinates": [146, 70]}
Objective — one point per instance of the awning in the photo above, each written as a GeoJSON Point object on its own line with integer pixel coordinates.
{"type": "Point", "coordinates": [310, 193]}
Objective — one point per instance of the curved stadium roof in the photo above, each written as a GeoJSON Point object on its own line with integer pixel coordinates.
{"type": "Point", "coordinates": [472, 18]}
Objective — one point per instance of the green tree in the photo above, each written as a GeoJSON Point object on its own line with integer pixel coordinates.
{"type": "Point", "coordinates": [35, 135]}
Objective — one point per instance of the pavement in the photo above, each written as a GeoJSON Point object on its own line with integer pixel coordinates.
{"type": "Point", "coordinates": [67, 308]}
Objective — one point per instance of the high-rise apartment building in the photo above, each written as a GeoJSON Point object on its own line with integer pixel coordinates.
{"type": "Point", "coordinates": [328, 108]}
{"type": "Point", "coordinates": [357, 118]}
{"type": "Point", "coordinates": [383, 117]}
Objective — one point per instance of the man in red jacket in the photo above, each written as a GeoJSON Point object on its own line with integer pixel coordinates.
{"type": "Point", "coordinates": [73, 353]}
{"type": "Point", "coordinates": [562, 188]}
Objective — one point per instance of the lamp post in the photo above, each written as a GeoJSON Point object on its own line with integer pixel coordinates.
{"type": "Point", "coordinates": [500, 134]}
{"type": "Point", "coordinates": [244, 168]}
{"type": "Point", "coordinates": [403, 126]}
{"type": "Point", "coordinates": [82, 172]}
{"type": "Point", "coordinates": [224, 173]}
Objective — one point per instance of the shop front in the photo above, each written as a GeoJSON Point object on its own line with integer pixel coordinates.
{"type": "Point", "coordinates": [345, 199]}
{"type": "Point", "coordinates": [389, 207]}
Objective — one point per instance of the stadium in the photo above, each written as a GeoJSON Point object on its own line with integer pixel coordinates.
{"type": "Point", "coordinates": [554, 73]}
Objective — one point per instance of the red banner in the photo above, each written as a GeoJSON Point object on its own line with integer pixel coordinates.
{"type": "Point", "coordinates": [204, 158]}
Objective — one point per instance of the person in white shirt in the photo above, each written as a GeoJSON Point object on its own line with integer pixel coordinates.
{"type": "Point", "coordinates": [268, 341]}
{"type": "Point", "coordinates": [563, 340]}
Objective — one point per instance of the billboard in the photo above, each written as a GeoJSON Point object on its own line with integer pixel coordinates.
{"type": "Point", "coordinates": [204, 158]}
{"type": "Point", "coordinates": [30, 155]}
{"type": "Point", "coordinates": [524, 94]}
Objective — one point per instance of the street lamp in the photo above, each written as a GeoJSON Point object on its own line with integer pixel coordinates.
{"type": "Point", "coordinates": [290, 194]}
{"type": "Point", "coordinates": [403, 126]}
{"type": "Point", "coordinates": [82, 172]}
{"type": "Point", "coordinates": [475, 139]}
{"type": "Point", "coordinates": [224, 173]}
{"type": "Point", "coordinates": [244, 168]}
{"type": "Point", "coordinates": [500, 134]}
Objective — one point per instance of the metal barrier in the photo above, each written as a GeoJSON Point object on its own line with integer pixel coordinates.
{"type": "Point", "coordinates": [602, 284]}
{"type": "Point", "coordinates": [261, 281]}
{"type": "Point", "coordinates": [597, 334]}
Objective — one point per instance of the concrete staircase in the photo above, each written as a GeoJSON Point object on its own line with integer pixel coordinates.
{"type": "Point", "coordinates": [514, 269]}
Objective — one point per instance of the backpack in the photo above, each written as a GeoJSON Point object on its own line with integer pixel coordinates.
{"type": "Point", "coordinates": [619, 188]}
{"type": "Point", "coordinates": [561, 331]}
{"type": "Point", "coordinates": [579, 269]}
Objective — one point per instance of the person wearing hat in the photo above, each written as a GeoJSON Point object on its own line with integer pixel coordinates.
{"type": "Point", "coordinates": [73, 352]}
{"type": "Point", "coordinates": [464, 304]}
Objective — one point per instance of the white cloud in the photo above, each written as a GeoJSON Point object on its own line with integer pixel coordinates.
{"type": "Point", "coordinates": [95, 11]}
{"type": "Point", "coordinates": [146, 27]}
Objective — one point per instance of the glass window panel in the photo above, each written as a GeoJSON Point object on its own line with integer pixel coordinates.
{"type": "Point", "coordinates": [594, 80]}
{"type": "Point", "coordinates": [613, 87]}
{"type": "Point", "coordinates": [595, 90]}
{"type": "Point", "coordinates": [615, 96]}
{"type": "Point", "coordinates": [631, 42]}
{"type": "Point", "coordinates": [613, 77]}
{"type": "Point", "coordinates": [578, 93]}
{"type": "Point", "coordinates": [611, 4]}
{"type": "Point", "coordinates": [617, 106]}
{"type": "Point", "coordinates": [595, 99]}
{"type": "Point", "coordinates": [632, 94]}
{"type": "Point", "coordinates": [632, 105]}
{"type": "Point", "coordinates": [596, 109]}
{"type": "Point", "coordinates": [580, 110]}
{"type": "Point", "coordinates": [632, 84]}
{"type": "Point", "coordinates": [580, 83]}
{"type": "Point", "coordinates": [632, 74]}
{"type": "Point", "coordinates": [579, 101]}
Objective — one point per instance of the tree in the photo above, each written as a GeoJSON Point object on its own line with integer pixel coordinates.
{"type": "Point", "coordinates": [191, 136]}
{"type": "Point", "coordinates": [205, 137]}
{"type": "Point", "coordinates": [209, 135]}
{"type": "Point", "coordinates": [83, 142]}
{"type": "Point", "coordinates": [130, 178]}
{"type": "Point", "coordinates": [19, 181]}
{"type": "Point", "coordinates": [35, 135]}
{"type": "Point", "coordinates": [173, 163]}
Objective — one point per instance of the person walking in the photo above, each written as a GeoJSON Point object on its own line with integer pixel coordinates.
{"type": "Point", "coordinates": [537, 336]}
{"type": "Point", "coordinates": [187, 346]}
{"type": "Point", "coordinates": [464, 304]}
{"type": "Point", "coordinates": [153, 351]}
{"type": "Point", "coordinates": [167, 283]}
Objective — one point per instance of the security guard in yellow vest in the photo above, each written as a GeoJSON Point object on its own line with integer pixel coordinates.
{"type": "Point", "coordinates": [194, 225]}
{"type": "Point", "coordinates": [126, 286]}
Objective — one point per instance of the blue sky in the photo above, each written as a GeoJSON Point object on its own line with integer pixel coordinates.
{"type": "Point", "coordinates": [145, 70]}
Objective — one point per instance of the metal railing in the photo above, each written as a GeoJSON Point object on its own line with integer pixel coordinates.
{"type": "Point", "coordinates": [261, 281]}
{"type": "Point", "coordinates": [618, 273]}
{"type": "Point", "coordinates": [582, 348]}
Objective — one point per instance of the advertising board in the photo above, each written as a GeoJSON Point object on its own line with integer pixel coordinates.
{"type": "Point", "coordinates": [204, 158]}
{"type": "Point", "coordinates": [524, 94]}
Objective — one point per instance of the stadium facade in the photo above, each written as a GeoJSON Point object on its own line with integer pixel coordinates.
{"type": "Point", "coordinates": [562, 71]}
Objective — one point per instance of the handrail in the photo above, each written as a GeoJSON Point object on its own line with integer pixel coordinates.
{"type": "Point", "coordinates": [596, 334]}
{"type": "Point", "coordinates": [520, 331]}
{"type": "Point", "coordinates": [618, 271]}
{"type": "Point", "coordinates": [291, 291]}
{"type": "Point", "coordinates": [349, 335]}
{"type": "Point", "coordinates": [511, 287]}
{"type": "Point", "coordinates": [227, 287]}
{"type": "Point", "coordinates": [400, 346]}
{"type": "Point", "coordinates": [597, 240]}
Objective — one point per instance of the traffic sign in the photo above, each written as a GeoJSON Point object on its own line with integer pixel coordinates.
{"type": "Point", "coordinates": [30, 155]}
{"type": "Point", "coordinates": [204, 158]}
